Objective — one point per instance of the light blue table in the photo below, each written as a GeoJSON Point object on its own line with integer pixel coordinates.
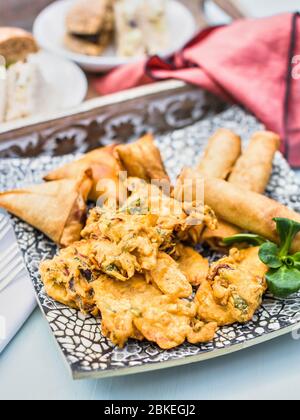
{"type": "Point", "coordinates": [32, 368]}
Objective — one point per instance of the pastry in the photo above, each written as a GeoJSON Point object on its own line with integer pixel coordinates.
{"type": "Point", "coordinates": [89, 26]}
{"type": "Point", "coordinates": [16, 44]}
{"type": "Point", "coordinates": [141, 27]}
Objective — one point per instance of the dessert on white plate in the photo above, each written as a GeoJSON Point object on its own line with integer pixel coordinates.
{"type": "Point", "coordinates": [27, 92]}
{"type": "Point", "coordinates": [34, 83]}
{"type": "Point", "coordinates": [141, 27]}
{"type": "Point", "coordinates": [23, 90]}
{"type": "Point", "coordinates": [51, 26]}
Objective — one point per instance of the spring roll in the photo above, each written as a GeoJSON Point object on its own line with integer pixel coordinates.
{"type": "Point", "coordinates": [248, 210]}
{"type": "Point", "coordinates": [214, 238]}
{"type": "Point", "coordinates": [223, 150]}
{"type": "Point", "coordinates": [252, 172]}
{"type": "Point", "coordinates": [253, 169]}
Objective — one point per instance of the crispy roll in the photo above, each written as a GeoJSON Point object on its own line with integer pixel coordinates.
{"type": "Point", "coordinates": [214, 238]}
{"type": "Point", "coordinates": [223, 150]}
{"type": "Point", "coordinates": [253, 169]}
{"type": "Point", "coordinates": [252, 172]}
{"type": "Point", "coordinates": [248, 210]}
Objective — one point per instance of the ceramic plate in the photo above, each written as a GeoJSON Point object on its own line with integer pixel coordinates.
{"type": "Point", "coordinates": [87, 352]}
{"type": "Point", "coordinates": [49, 29]}
{"type": "Point", "coordinates": [60, 76]}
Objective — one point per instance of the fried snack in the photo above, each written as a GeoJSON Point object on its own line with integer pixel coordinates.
{"type": "Point", "coordinates": [189, 191]}
{"type": "Point", "coordinates": [168, 277]}
{"type": "Point", "coordinates": [222, 152]}
{"type": "Point", "coordinates": [127, 243]}
{"type": "Point", "coordinates": [142, 159]}
{"type": "Point", "coordinates": [253, 169]}
{"type": "Point", "coordinates": [105, 172]}
{"type": "Point", "coordinates": [192, 264]}
{"type": "Point", "coordinates": [252, 172]}
{"type": "Point", "coordinates": [248, 210]}
{"type": "Point", "coordinates": [234, 289]}
{"type": "Point", "coordinates": [249, 260]}
{"type": "Point", "coordinates": [67, 277]}
{"type": "Point", "coordinates": [214, 238]}
{"type": "Point", "coordinates": [136, 309]}
{"type": "Point", "coordinates": [58, 208]}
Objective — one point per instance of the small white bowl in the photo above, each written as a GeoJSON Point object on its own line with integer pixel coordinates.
{"type": "Point", "coordinates": [49, 30]}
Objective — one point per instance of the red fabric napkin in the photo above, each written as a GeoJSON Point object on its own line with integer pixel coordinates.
{"type": "Point", "coordinates": [252, 62]}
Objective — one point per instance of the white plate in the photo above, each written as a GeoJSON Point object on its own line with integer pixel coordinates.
{"type": "Point", "coordinates": [49, 30]}
{"type": "Point", "coordinates": [66, 87]}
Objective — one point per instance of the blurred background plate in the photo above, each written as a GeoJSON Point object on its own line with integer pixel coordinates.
{"type": "Point", "coordinates": [49, 29]}
{"type": "Point", "coordinates": [61, 77]}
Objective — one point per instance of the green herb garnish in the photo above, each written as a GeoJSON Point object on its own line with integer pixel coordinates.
{"type": "Point", "coordinates": [112, 267]}
{"type": "Point", "coordinates": [283, 277]}
{"type": "Point", "coordinates": [249, 238]}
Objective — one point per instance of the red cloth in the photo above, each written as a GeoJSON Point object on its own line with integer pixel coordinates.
{"type": "Point", "coordinates": [248, 62]}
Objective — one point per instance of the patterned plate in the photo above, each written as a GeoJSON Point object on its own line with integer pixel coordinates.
{"type": "Point", "coordinates": [88, 353]}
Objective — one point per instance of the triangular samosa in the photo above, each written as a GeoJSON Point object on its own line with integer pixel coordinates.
{"type": "Point", "coordinates": [58, 208]}
{"type": "Point", "coordinates": [104, 166]}
{"type": "Point", "coordinates": [142, 159]}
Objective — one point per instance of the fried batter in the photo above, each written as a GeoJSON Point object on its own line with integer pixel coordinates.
{"type": "Point", "coordinates": [187, 220]}
{"type": "Point", "coordinates": [234, 289]}
{"type": "Point", "coordinates": [137, 309]}
{"type": "Point", "coordinates": [168, 277]}
{"type": "Point", "coordinates": [192, 264]}
{"type": "Point", "coordinates": [67, 277]}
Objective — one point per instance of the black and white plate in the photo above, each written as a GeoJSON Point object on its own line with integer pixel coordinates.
{"type": "Point", "coordinates": [87, 352]}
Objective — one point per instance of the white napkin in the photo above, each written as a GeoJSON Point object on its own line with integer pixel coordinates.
{"type": "Point", "coordinates": [17, 301]}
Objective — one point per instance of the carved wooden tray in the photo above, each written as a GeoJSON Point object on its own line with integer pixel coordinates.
{"type": "Point", "coordinates": [182, 119]}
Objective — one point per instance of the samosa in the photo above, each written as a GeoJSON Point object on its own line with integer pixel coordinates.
{"type": "Point", "coordinates": [142, 159]}
{"type": "Point", "coordinates": [57, 208]}
{"type": "Point", "coordinates": [105, 171]}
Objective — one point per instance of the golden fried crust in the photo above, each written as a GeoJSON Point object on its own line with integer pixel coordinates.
{"type": "Point", "coordinates": [142, 159]}
{"type": "Point", "coordinates": [168, 278]}
{"type": "Point", "coordinates": [192, 264]}
{"type": "Point", "coordinates": [253, 169]}
{"type": "Point", "coordinates": [103, 166]}
{"type": "Point", "coordinates": [135, 238]}
{"type": "Point", "coordinates": [58, 208]}
{"type": "Point", "coordinates": [137, 309]}
{"type": "Point", "coordinates": [234, 289]}
{"type": "Point", "coordinates": [67, 277]}
{"type": "Point", "coordinates": [222, 152]}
